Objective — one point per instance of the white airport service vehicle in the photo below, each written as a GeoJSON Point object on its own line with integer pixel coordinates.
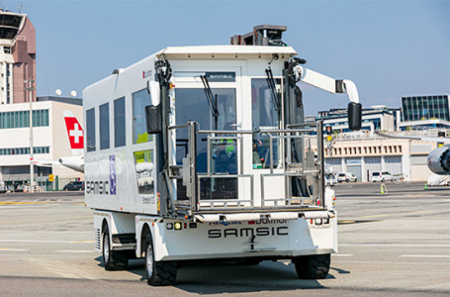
{"type": "Point", "coordinates": [330, 180]}
{"type": "Point", "coordinates": [346, 177]}
{"type": "Point", "coordinates": [381, 176]}
{"type": "Point", "coordinates": [202, 153]}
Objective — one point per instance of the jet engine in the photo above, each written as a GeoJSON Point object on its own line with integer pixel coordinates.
{"type": "Point", "coordinates": [439, 160]}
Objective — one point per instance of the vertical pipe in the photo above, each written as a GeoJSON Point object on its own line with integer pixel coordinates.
{"type": "Point", "coordinates": [30, 94]}
{"type": "Point", "coordinates": [193, 158]}
{"type": "Point", "coordinates": [320, 156]}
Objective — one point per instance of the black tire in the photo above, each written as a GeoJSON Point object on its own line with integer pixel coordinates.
{"type": "Point", "coordinates": [113, 260]}
{"type": "Point", "coordinates": [66, 189]}
{"type": "Point", "coordinates": [356, 180]}
{"type": "Point", "coordinates": [249, 261]}
{"type": "Point", "coordinates": [347, 180]}
{"type": "Point", "coordinates": [158, 273]}
{"type": "Point", "coordinates": [312, 267]}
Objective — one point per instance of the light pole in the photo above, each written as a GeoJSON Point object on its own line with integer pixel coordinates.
{"type": "Point", "coordinates": [30, 94]}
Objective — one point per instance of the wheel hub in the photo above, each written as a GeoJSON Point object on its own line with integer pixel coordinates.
{"type": "Point", "coordinates": [106, 249]}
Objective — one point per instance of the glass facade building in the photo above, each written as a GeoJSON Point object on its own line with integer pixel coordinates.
{"type": "Point", "coordinates": [418, 108]}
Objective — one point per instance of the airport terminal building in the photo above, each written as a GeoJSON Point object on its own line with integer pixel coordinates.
{"type": "Point", "coordinates": [50, 140]}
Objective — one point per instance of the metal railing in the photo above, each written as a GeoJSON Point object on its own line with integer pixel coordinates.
{"type": "Point", "coordinates": [203, 194]}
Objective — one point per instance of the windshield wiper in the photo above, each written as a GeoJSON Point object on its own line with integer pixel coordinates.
{"type": "Point", "coordinates": [273, 92]}
{"type": "Point", "coordinates": [212, 100]}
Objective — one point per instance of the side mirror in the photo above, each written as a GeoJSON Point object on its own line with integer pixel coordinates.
{"type": "Point", "coordinates": [153, 119]}
{"type": "Point", "coordinates": [354, 116]}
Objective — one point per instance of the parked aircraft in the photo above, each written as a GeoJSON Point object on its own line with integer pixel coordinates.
{"type": "Point", "coordinates": [438, 160]}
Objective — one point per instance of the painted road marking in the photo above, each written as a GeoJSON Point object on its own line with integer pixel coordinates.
{"type": "Point", "coordinates": [13, 250]}
{"type": "Point", "coordinates": [393, 245]}
{"type": "Point", "coordinates": [82, 241]}
{"type": "Point", "coordinates": [342, 255]}
{"type": "Point", "coordinates": [74, 251]}
{"type": "Point", "coordinates": [424, 256]}
{"type": "Point", "coordinates": [44, 241]}
{"type": "Point", "coordinates": [346, 222]}
{"type": "Point", "coordinates": [5, 203]}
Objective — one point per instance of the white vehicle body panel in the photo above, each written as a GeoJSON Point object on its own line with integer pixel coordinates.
{"type": "Point", "coordinates": [117, 177]}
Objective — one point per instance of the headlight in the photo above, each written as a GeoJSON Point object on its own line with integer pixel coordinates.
{"type": "Point", "coordinates": [178, 226]}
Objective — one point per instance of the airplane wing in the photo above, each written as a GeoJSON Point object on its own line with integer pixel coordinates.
{"type": "Point", "coordinates": [46, 163]}
{"type": "Point", "coordinates": [424, 138]}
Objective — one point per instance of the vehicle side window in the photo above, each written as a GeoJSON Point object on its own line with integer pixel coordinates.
{"type": "Point", "coordinates": [140, 100]}
{"type": "Point", "coordinates": [104, 126]}
{"type": "Point", "coordinates": [90, 130]}
{"type": "Point", "coordinates": [119, 122]}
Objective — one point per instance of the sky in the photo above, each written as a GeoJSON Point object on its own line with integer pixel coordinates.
{"type": "Point", "coordinates": [389, 49]}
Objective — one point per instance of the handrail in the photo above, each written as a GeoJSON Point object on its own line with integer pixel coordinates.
{"type": "Point", "coordinates": [227, 131]}
{"type": "Point", "coordinates": [179, 126]}
{"type": "Point", "coordinates": [287, 131]}
{"type": "Point", "coordinates": [301, 125]}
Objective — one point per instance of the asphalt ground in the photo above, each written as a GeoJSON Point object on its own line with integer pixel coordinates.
{"type": "Point", "coordinates": [392, 244]}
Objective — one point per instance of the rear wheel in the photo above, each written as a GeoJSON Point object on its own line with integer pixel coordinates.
{"type": "Point", "coordinates": [113, 260]}
{"type": "Point", "coordinates": [312, 267]}
{"type": "Point", "coordinates": [158, 273]}
{"type": "Point", "coordinates": [347, 180]}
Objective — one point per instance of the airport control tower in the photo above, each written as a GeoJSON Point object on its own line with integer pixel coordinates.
{"type": "Point", "coordinates": [17, 57]}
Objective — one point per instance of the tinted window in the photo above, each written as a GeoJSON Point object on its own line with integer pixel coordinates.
{"type": "Point", "coordinates": [385, 172]}
{"type": "Point", "coordinates": [119, 122]}
{"type": "Point", "coordinates": [140, 100]}
{"type": "Point", "coordinates": [90, 130]}
{"type": "Point", "coordinates": [104, 126]}
{"type": "Point", "coordinates": [341, 174]}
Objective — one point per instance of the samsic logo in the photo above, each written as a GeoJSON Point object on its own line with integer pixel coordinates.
{"type": "Point", "coordinates": [248, 232]}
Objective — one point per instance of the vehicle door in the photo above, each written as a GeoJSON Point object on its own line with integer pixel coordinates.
{"type": "Point", "coordinates": [218, 155]}
{"type": "Point", "coordinates": [262, 113]}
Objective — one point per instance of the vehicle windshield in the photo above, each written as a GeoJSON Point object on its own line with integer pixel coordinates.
{"type": "Point", "coordinates": [385, 172]}
{"type": "Point", "coordinates": [341, 174]}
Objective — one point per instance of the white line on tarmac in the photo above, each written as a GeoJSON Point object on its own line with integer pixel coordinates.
{"type": "Point", "coordinates": [74, 251]}
{"type": "Point", "coordinates": [44, 241]}
{"type": "Point", "coordinates": [393, 245]}
{"type": "Point", "coordinates": [342, 255]}
{"type": "Point", "coordinates": [424, 256]}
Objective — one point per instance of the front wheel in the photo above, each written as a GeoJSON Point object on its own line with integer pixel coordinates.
{"type": "Point", "coordinates": [113, 260]}
{"type": "Point", "coordinates": [347, 180]}
{"type": "Point", "coordinates": [312, 267]}
{"type": "Point", "coordinates": [158, 273]}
